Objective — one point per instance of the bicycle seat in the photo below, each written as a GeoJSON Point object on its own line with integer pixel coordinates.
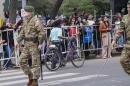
{"type": "Point", "coordinates": [52, 46]}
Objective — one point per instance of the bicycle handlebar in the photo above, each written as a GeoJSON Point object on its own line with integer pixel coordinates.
{"type": "Point", "coordinates": [66, 38]}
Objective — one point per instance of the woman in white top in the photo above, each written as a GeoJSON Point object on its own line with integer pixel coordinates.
{"type": "Point", "coordinates": [117, 26]}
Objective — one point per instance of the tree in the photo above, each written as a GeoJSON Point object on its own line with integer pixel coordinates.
{"type": "Point", "coordinates": [51, 7]}
{"type": "Point", "coordinates": [102, 6]}
{"type": "Point", "coordinates": [42, 7]}
{"type": "Point", "coordinates": [68, 5]}
{"type": "Point", "coordinates": [12, 11]}
{"type": "Point", "coordinates": [56, 8]}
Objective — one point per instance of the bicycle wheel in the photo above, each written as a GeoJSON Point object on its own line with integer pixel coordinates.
{"type": "Point", "coordinates": [78, 58]}
{"type": "Point", "coordinates": [52, 60]}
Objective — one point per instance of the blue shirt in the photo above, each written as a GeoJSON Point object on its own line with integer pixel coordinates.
{"type": "Point", "coordinates": [55, 32]}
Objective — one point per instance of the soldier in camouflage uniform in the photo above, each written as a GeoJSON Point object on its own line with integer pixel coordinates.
{"type": "Point", "coordinates": [125, 28]}
{"type": "Point", "coordinates": [33, 35]}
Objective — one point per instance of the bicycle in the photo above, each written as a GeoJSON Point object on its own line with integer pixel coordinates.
{"type": "Point", "coordinates": [49, 56]}
{"type": "Point", "coordinates": [74, 54]}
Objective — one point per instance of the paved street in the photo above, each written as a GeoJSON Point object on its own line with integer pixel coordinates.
{"type": "Point", "coordinates": [98, 72]}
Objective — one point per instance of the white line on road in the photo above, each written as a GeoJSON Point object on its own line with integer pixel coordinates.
{"type": "Point", "coordinates": [7, 71]}
{"type": "Point", "coordinates": [72, 79]}
{"type": "Point", "coordinates": [21, 76]}
{"type": "Point", "coordinates": [11, 73]}
{"type": "Point", "coordinates": [16, 73]}
{"type": "Point", "coordinates": [46, 77]}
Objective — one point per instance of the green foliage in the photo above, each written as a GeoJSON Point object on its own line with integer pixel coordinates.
{"type": "Point", "coordinates": [42, 7]}
{"type": "Point", "coordinates": [85, 5]}
{"type": "Point", "coordinates": [6, 4]}
{"type": "Point", "coordinates": [102, 6]}
{"type": "Point", "coordinates": [68, 5]}
{"type": "Point", "coordinates": [45, 6]}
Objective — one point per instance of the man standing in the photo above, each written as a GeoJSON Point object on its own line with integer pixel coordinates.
{"type": "Point", "coordinates": [33, 35]}
{"type": "Point", "coordinates": [125, 27]}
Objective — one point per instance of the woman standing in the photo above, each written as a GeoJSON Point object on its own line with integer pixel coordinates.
{"type": "Point", "coordinates": [117, 26]}
{"type": "Point", "coordinates": [105, 29]}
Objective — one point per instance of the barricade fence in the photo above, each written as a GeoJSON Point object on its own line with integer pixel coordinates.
{"type": "Point", "coordinates": [7, 49]}
{"type": "Point", "coordinates": [89, 38]}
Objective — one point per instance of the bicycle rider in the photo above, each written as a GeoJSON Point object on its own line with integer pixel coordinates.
{"type": "Point", "coordinates": [55, 33]}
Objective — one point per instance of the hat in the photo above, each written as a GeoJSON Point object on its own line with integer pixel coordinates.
{"type": "Point", "coordinates": [29, 8]}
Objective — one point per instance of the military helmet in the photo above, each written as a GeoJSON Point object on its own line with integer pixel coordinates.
{"type": "Point", "coordinates": [29, 9]}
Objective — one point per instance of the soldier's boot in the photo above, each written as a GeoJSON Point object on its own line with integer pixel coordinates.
{"type": "Point", "coordinates": [34, 82]}
{"type": "Point", "coordinates": [30, 80]}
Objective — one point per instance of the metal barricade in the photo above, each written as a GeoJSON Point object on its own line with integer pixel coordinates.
{"type": "Point", "coordinates": [94, 45]}
{"type": "Point", "coordinates": [10, 54]}
{"type": "Point", "coordinates": [96, 40]}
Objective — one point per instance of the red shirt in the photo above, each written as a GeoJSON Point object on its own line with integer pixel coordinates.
{"type": "Point", "coordinates": [73, 31]}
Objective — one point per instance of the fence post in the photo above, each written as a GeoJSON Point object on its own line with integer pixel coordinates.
{"type": "Point", "coordinates": [111, 16]}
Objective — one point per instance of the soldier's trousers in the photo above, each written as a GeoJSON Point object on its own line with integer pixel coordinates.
{"type": "Point", "coordinates": [30, 51]}
{"type": "Point", "coordinates": [125, 60]}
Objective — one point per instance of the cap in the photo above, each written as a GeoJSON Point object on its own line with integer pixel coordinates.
{"type": "Point", "coordinates": [29, 8]}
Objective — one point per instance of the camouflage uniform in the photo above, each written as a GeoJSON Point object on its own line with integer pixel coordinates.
{"type": "Point", "coordinates": [125, 27]}
{"type": "Point", "coordinates": [33, 35]}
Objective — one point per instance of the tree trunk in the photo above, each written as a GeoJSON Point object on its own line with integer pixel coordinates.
{"type": "Point", "coordinates": [56, 8]}
{"type": "Point", "coordinates": [12, 11]}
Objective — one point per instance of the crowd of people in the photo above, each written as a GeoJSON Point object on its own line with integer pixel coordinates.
{"type": "Point", "coordinates": [90, 31]}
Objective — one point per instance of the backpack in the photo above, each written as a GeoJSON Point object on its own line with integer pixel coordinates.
{"type": "Point", "coordinates": [88, 34]}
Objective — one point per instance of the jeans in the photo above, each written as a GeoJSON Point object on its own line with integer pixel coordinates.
{"type": "Point", "coordinates": [97, 44]}
{"type": "Point", "coordinates": [121, 41]}
{"type": "Point", "coordinates": [8, 50]}
{"type": "Point", "coordinates": [59, 45]}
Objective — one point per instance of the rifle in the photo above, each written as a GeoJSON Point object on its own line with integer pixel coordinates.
{"type": "Point", "coordinates": [41, 70]}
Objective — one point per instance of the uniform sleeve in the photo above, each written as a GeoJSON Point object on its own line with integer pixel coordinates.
{"type": "Point", "coordinates": [120, 30]}
{"type": "Point", "coordinates": [21, 36]}
{"type": "Point", "coordinates": [41, 31]}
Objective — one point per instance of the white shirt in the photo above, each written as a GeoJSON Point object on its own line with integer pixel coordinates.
{"type": "Point", "coordinates": [90, 22]}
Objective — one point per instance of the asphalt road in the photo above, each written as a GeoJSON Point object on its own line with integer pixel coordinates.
{"type": "Point", "coordinates": [97, 72]}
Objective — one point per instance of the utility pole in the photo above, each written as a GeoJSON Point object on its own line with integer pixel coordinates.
{"type": "Point", "coordinates": [112, 2]}
{"type": "Point", "coordinates": [112, 9]}
{"type": "Point", "coordinates": [24, 3]}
